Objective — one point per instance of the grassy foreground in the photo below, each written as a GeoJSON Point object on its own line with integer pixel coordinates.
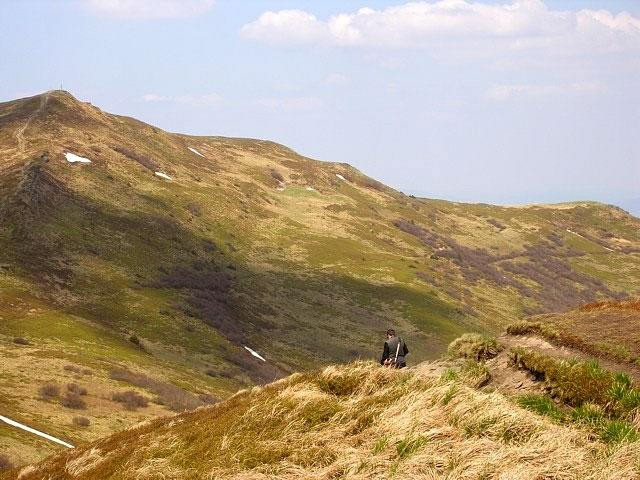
{"type": "Point", "coordinates": [354, 421]}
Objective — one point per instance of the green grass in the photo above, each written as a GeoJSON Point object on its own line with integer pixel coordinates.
{"type": "Point", "coordinates": [585, 393]}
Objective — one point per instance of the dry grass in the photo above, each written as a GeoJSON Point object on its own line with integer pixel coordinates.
{"type": "Point", "coordinates": [608, 304]}
{"type": "Point", "coordinates": [607, 329]}
{"type": "Point", "coordinates": [474, 346]}
{"type": "Point", "coordinates": [357, 421]}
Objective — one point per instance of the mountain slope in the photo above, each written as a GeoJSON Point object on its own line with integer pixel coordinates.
{"type": "Point", "coordinates": [357, 421]}
{"type": "Point", "coordinates": [167, 254]}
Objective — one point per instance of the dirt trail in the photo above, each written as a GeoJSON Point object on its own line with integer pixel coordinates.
{"type": "Point", "coordinates": [20, 132]}
{"type": "Point", "coordinates": [543, 346]}
{"type": "Point", "coordinates": [511, 381]}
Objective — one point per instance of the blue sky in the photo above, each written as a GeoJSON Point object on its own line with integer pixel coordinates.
{"type": "Point", "coordinates": [502, 102]}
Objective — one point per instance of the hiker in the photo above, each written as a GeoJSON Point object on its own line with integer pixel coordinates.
{"type": "Point", "coordinates": [394, 351]}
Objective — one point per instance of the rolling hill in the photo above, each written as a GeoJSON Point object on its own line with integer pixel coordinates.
{"type": "Point", "coordinates": [138, 260]}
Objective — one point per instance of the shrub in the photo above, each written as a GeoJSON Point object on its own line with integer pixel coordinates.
{"type": "Point", "coordinates": [194, 209]}
{"type": "Point", "coordinates": [220, 372]}
{"type": "Point", "coordinates": [496, 223]}
{"type": "Point", "coordinates": [277, 175]}
{"type": "Point", "coordinates": [73, 400]}
{"type": "Point", "coordinates": [474, 346]}
{"type": "Point", "coordinates": [81, 421]}
{"type": "Point", "coordinates": [168, 394]}
{"type": "Point", "coordinates": [49, 390]}
{"type": "Point", "coordinates": [77, 389]}
{"type": "Point", "coordinates": [72, 368]}
{"type": "Point", "coordinates": [21, 341]}
{"type": "Point", "coordinates": [141, 159]}
{"type": "Point", "coordinates": [130, 399]}
{"type": "Point", "coordinates": [5, 462]}
{"type": "Point", "coordinates": [371, 183]}
{"type": "Point", "coordinates": [208, 399]}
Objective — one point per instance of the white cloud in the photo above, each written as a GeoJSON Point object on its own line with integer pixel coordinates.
{"type": "Point", "coordinates": [286, 26]}
{"type": "Point", "coordinates": [291, 103]}
{"type": "Point", "coordinates": [148, 9]}
{"type": "Point", "coordinates": [336, 79]}
{"type": "Point", "coordinates": [523, 24]}
{"type": "Point", "coordinates": [505, 92]}
{"type": "Point", "coordinates": [208, 99]}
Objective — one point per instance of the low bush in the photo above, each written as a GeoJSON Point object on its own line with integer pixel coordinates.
{"type": "Point", "coordinates": [172, 396]}
{"type": "Point", "coordinates": [81, 421]}
{"type": "Point", "coordinates": [130, 399]}
{"type": "Point", "coordinates": [496, 223]}
{"type": "Point", "coordinates": [277, 175]}
{"type": "Point", "coordinates": [74, 401]}
{"type": "Point", "coordinates": [221, 372]}
{"type": "Point", "coordinates": [143, 160]}
{"type": "Point", "coordinates": [474, 346]}
{"type": "Point", "coordinates": [5, 462]}
{"type": "Point", "coordinates": [49, 390]}
{"type": "Point", "coordinates": [73, 368]}
{"type": "Point", "coordinates": [77, 389]}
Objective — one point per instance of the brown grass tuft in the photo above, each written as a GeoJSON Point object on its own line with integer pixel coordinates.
{"type": "Point", "coordinates": [474, 346]}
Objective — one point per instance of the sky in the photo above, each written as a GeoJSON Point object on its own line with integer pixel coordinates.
{"type": "Point", "coordinates": [511, 101]}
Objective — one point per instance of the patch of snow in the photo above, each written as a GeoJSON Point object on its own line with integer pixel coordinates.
{"type": "Point", "coordinates": [254, 353]}
{"type": "Point", "coordinates": [341, 177]}
{"type": "Point", "coordinates": [13, 423]}
{"type": "Point", "coordinates": [195, 151]}
{"type": "Point", "coordinates": [73, 158]}
{"type": "Point", "coordinates": [163, 175]}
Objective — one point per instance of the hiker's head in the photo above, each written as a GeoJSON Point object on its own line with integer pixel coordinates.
{"type": "Point", "coordinates": [391, 333]}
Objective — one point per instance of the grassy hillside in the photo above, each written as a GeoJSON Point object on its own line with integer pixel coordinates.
{"type": "Point", "coordinates": [109, 267]}
{"type": "Point", "coordinates": [357, 421]}
{"type": "Point", "coordinates": [608, 330]}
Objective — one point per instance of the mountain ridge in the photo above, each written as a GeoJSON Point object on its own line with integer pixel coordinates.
{"type": "Point", "coordinates": [108, 266]}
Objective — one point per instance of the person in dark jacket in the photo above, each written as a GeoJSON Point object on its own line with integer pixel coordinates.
{"type": "Point", "coordinates": [394, 351]}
